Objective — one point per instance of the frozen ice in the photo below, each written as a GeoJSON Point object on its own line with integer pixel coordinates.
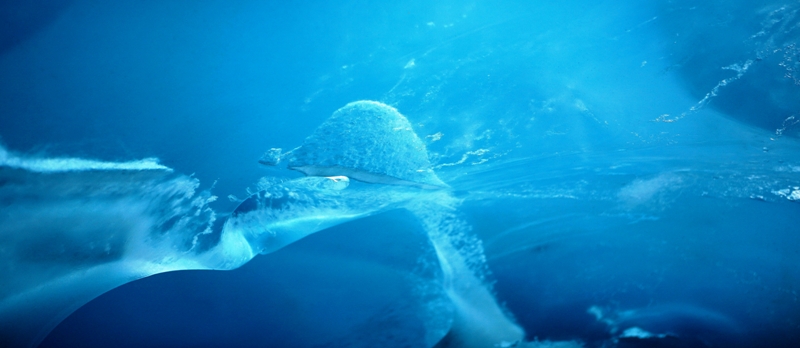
{"type": "Point", "coordinates": [372, 142]}
{"type": "Point", "coordinates": [675, 321]}
{"type": "Point", "coordinates": [792, 194]}
{"type": "Point", "coordinates": [75, 228]}
{"type": "Point", "coordinates": [639, 333]}
{"type": "Point", "coordinates": [283, 212]}
{"type": "Point", "coordinates": [272, 157]}
{"type": "Point", "coordinates": [367, 141]}
{"type": "Point", "coordinates": [478, 319]}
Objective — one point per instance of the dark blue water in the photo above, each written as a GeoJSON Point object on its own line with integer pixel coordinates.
{"type": "Point", "coordinates": [613, 167]}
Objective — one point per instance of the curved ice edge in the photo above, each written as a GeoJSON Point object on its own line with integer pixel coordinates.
{"type": "Point", "coordinates": [67, 164]}
{"type": "Point", "coordinates": [365, 176]}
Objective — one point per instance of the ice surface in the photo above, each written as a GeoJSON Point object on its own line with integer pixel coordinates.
{"type": "Point", "coordinates": [372, 142]}
{"type": "Point", "coordinates": [638, 333]}
{"type": "Point", "coordinates": [675, 322]}
{"type": "Point", "coordinates": [479, 321]}
{"type": "Point", "coordinates": [367, 141]}
{"type": "Point", "coordinates": [283, 212]}
{"type": "Point", "coordinates": [640, 157]}
{"type": "Point", "coordinates": [122, 221]}
{"type": "Point", "coordinates": [74, 228]}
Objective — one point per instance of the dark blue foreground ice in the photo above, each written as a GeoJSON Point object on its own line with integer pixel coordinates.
{"type": "Point", "coordinates": [529, 174]}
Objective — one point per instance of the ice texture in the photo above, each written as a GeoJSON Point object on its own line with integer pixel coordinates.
{"type": "Point", "coordinates": [281, 213]}
{"type": "Point", "coordinates": [75, 228]}
{"type": "Point", "coordinates": [367, 141]}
